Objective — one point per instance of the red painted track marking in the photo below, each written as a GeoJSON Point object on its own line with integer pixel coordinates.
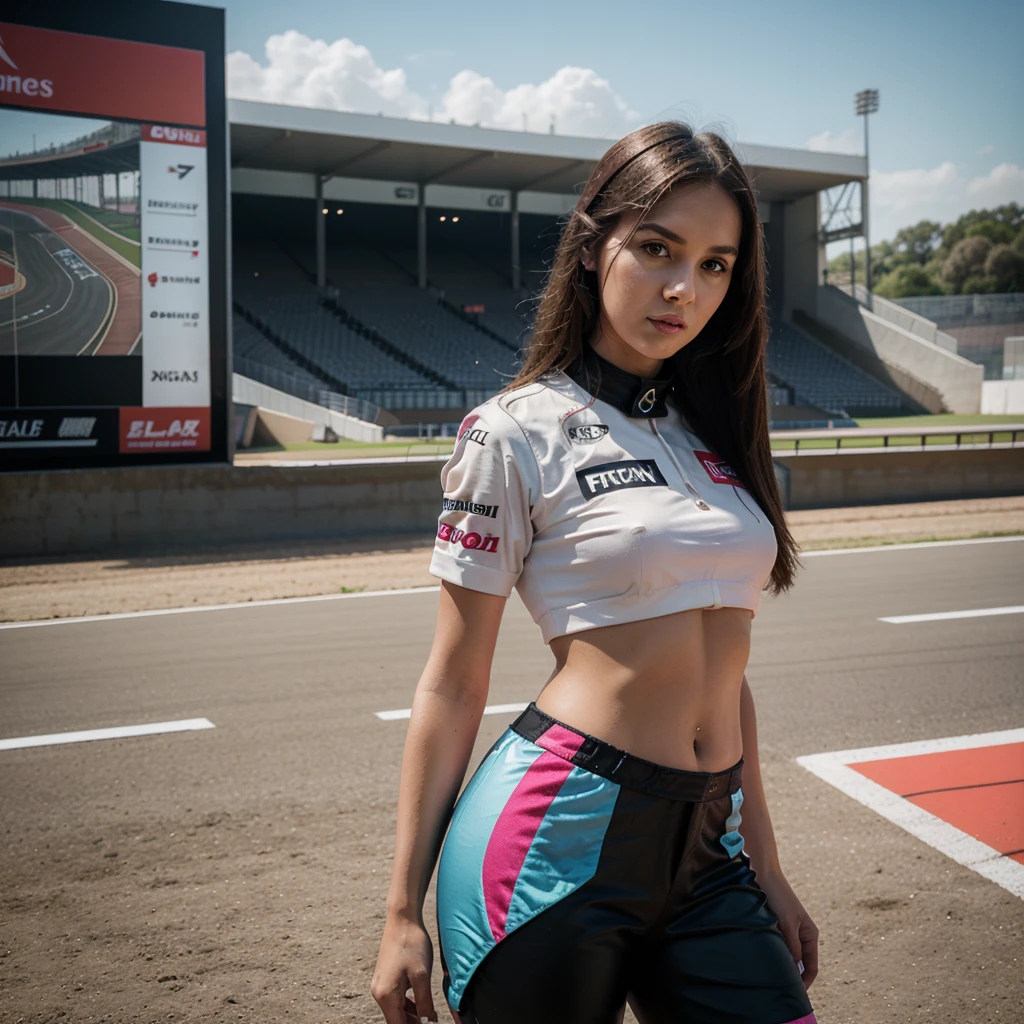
{"type": "Point", "coordinates": [979, 790]}
{"type": "Point", "coordinates": [972, 767]}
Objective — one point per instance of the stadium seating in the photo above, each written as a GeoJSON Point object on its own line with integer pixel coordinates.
{"type": "Point", "coordinates": [380, 331]}
{"type": "Point", "coordinates": [820, 378]}
{"type": "Point", "coordinates": [277, 293]}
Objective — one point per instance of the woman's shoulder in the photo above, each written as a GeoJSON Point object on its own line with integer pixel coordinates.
{"type": "Point", "coordinates": [538, 408]}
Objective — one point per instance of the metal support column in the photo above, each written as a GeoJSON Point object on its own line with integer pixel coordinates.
{"type": "Point", "coordinates": [117, 189]}
{"type": "Point", "coordinates": [321, 237]}
{"type": "Point", "coordinates": [514, 210]}
{"type": "Point", "coordinates": [867, 238]}
{"type": "Point", "coordinates": [421, 235]}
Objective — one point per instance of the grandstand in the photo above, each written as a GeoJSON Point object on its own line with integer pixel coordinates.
{"type": "Point", "coordinates": [412, 283]}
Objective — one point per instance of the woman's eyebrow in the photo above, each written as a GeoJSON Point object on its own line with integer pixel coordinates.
{"type": "Point", "coordinates": [725, 250]}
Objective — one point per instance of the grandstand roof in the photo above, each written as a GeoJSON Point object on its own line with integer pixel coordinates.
{"type": "Point", "coordinates": [272, 136]}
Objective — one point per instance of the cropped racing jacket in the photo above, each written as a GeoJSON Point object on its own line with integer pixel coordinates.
{"type": "Point", "coordinates": [589, 494]}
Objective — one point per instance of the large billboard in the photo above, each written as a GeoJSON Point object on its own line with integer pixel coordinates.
{"type": "Point", "coordinates": [113, 260]}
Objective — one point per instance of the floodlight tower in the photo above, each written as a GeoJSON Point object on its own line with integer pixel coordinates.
{"type": "Point", "coordinates": [865, 103]}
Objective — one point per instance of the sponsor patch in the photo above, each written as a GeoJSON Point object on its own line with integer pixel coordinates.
{"type": "Point", "coordinates": [617, 476]}
{"type": "Point", "coordinates": [471, 539]}
{"type": "Point", "coordinates": [587, 433]}
{"type": "Point", "coordinates": [471, 433]}
{"type": "Point", "coordinates": [719, 471]}
{"type": "Point", "coordinates": [165, 429]}
{"type": "Point", "coordinates": [473, 507]}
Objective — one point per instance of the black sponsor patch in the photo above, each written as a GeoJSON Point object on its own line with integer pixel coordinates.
{"type": "Point", "coordinates": [473, 507]}
{"type": "Point", "coordinates": [587, 433]}
{"type": "Point", "coordinates": [617, 476]}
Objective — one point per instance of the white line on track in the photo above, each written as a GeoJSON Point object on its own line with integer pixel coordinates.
{"type": "Point", "coordinates": [71, 620]}
{"type": "Point", "coordinates": [491, 709]}
{"type": "Point", "coordinates": [115, 733]}
{"type": "Point", "coordinates": [834, 767]}
{"type": "Point", "coordinates": [215, 607]}
{"type": "Point", "coordinates": [970, 613]}
{"type": "Point", "coordinates": [911, 546]}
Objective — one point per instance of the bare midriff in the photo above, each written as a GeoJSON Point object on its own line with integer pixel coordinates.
{"type": "Point", "coordinates": [665, 689]}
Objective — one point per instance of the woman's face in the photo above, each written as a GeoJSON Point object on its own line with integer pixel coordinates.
{"type": "Point", "coordinates": [660, 288]}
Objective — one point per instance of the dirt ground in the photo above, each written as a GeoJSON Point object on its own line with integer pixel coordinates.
{"type": "Point", "coordinates": [52, 588]}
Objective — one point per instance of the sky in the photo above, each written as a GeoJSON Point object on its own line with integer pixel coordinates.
{"type": "Point", "coordinates": [948, 136]}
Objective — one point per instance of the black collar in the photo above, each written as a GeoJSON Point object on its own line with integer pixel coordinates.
{"type": "Point", "coordinates": [642, 397]}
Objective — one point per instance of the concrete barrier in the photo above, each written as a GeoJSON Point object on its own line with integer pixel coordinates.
{"type": "Point", "coordinates": [160, 509]}
{"type": "Point", "coordinates": [956, 380]}
{"type": "Point", "coordinates": [156, 509]}
{"type": "Point", "coordinates": [834, 480]}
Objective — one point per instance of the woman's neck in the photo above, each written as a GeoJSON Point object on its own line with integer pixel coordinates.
{"type": "Point", "coordinates": [625, 357]}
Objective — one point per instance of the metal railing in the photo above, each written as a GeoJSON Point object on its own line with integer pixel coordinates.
{"type": "Point", "coordinates": [968, 310]}
{"type": "Point", "coordinates": [298, 387]}
{"type": "Point", "coordinates": [882, 437]}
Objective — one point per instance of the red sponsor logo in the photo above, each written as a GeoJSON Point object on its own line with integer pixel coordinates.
{"type": "Point", "coordinates": [719, 471]}
{"type": "Point", "coordinates": [465, 425]}
{"type": "Point", "coordinates": [165, 430]}
{"type": "Point", "coordinates": [472, 540]}
{"type": "Point", "coordinates": [152, 279]}
{"type": "Point", "coordinates": [471, 433]}
{"type": "Point", "coordinates": [178, 136]}
{"type": "Point", "coordinates": [45, 69]}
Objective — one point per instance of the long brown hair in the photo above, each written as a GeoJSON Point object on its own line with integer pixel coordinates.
{"type": "Point", "coordinates": [721, 376]}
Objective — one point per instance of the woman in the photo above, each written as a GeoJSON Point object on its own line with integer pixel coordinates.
{"type": "Point", "coordinates": [623, 484]}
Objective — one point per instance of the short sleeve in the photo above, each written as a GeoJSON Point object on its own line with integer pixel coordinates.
{"type": "Point", "coordinates": [484, 530]}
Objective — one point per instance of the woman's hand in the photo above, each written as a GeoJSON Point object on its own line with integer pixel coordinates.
{"type": "Point", "coordinates": [799, 931]}
{"type": "Point", "coordinates": [404, 961]}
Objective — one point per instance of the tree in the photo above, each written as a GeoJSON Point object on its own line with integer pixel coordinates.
{"type": "Point", "coordinates": [967, 258]}
{"type": "Point", "coordinates": [1006, 268]}
{"type": "Point", "coordinates": [910, 279]}
{"type": "Point", "coordinates": [1009, 213]}
{"type": "Point", "coordinates": [995, 231]}
{"type": "Point", "coordinates": [919, 241]}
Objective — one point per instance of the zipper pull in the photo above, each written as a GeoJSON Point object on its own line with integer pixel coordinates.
{"type": "Point", "coordinates": [697, 499]}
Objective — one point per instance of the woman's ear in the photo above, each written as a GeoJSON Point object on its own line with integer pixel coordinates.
{"type": "Point", "coordinates": [588, 260]}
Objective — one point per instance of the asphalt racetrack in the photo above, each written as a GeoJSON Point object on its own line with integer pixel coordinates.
{"type": "Point", "coordinates": [66, 304]}
{"type": "Point", "coordinates": [238, 873]}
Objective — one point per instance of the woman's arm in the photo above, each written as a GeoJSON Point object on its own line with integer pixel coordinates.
{"type": "Point", "coordinates": [799, 931]}
{"type": "Point", "coordinates": [446, 711]}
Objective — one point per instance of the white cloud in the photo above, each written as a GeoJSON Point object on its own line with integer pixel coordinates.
{"type": "Point", "coordinates": [826, 142]}
{"type": "Point", "coordinates": [344, 76]}
{"type": "Point", "coordinates": [1003, 184]}
{"type": "Point", "coordinates": [308, 72]}
{"type": "Point", "coordinates": [901, 198]}
{"type": "Point", "coordinates": [579, 100]}
{"type": "Point", "coordinates": [900, 190]}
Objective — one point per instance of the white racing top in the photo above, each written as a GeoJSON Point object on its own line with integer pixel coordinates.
{"type": "Point", "coordinates": [596, 516]}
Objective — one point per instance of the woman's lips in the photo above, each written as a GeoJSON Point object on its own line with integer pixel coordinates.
{"type": "Point", "coordinates": [667, 327]}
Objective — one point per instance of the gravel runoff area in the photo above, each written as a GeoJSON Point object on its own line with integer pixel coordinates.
{"type": "Point", "coordinates": [58, 588]}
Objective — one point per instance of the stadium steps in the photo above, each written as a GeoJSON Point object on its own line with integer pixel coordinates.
{"type": "Point", "coordinates": [476, 325]}
{"type": "Point", "coordinates": [377, 339]}
{"type": "Point", "coordinates": [307, 364]}
{"type": "Point", "coordinates": [821, 377]}
{"type": "Point", "coordinates": [906, 384]}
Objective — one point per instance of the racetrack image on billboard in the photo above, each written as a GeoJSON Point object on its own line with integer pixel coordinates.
{"type": "Point", "coordinates": [70, 250]}
{"type": "Point", "coordinates": [104, 249]}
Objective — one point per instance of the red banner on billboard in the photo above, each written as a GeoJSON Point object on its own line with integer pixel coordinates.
{"type": "Point", "coordinates": [176, 136]}
{"type": "Point", "coordinates": [164, 429]}
{"type": "Point", "coordinates": [48, 70]}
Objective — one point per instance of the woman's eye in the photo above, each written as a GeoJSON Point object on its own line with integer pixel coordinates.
{"type": "Point", "coordinates": [651, 246]}
{"type": "Point", "coordinates": [720, 267]}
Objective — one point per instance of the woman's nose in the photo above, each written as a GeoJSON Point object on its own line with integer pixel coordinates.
{"type": "Point", "coordinates": [680, 288]}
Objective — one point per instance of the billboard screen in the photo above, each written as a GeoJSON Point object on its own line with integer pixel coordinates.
{"type": "Point", "coordinates": [113, 264]}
